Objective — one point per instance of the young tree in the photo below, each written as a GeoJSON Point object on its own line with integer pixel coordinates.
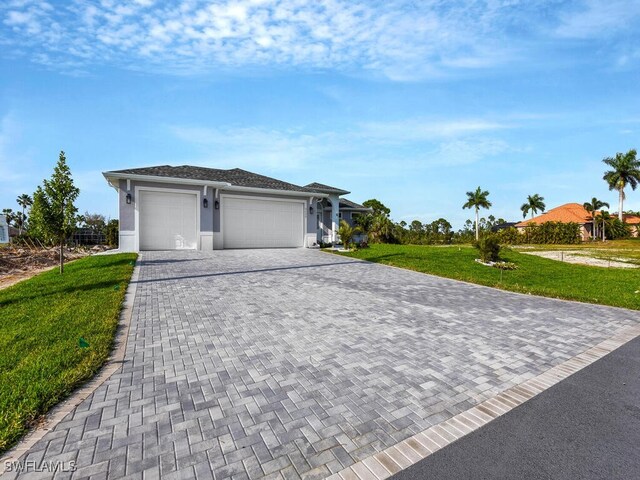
{"type": "Point", "coordinates": [592, 207]}
{"type": "Point", "coordinates": [8, 215]}
{"type": "Point", "coordinates": [534, 204]}
{"type": "Point", "coordinates": [25, 202]}
{"type": "Point", "coordinates": [53, 207]}
{"type": "Point", "coordinates": [477, 199]}
{"type": "Point", "coordinates": [625, 171]}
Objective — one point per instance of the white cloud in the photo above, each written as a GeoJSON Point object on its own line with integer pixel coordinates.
{"type": "Point", "coordinates": [400, 39]}
{"type": "Point", "coordinates": [599, 18]}
{"type": "Point", "coordinates": [368, 149]}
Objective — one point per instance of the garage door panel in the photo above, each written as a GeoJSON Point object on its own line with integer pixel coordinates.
{"type": "Point", "coordinates": [168, 221]}
{"type": "Point", "coordinates": [261, 223]}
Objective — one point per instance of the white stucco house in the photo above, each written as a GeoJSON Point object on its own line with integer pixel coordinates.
{"type": "Point", "coordinates": [186, 207]}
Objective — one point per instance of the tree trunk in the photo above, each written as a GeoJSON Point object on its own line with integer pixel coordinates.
{"type": "Point", "coordinates": [603, 231]}
{"type": "Point", "coordinates": [593, 234]}
{"type": "Point", "coordinates": [477, 226]}
{"type": "Point", "coordinates": [620, 202]}
{"type": "Point", "coordinates": [61, 256]}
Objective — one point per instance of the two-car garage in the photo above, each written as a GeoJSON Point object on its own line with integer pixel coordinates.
{"type": "Point", "coordinates": [169, 220]}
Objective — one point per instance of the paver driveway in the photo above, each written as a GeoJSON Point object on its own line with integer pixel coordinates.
{"type": "Point", "coordinates": [296, 362]}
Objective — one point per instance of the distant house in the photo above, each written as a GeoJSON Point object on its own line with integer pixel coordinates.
{"type": "Point", "coordinates": [567, 213]}
{"type": "Point", "coordinates": [633, 222]}
{"type": "Point", "coordinates": [503, 226]}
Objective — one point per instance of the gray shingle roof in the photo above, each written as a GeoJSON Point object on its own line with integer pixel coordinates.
{"type": "Point", "coordinates": [345, 203]}
{"type": "Point", "coordinates": [234, 176]}
{"type": "Point", "coordinates": [319, 187]}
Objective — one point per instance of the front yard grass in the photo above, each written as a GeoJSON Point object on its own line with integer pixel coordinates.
{"type": "Point", "coordinates": [41, 322]}
{"type": "Point", "coordinates": [616, 287]}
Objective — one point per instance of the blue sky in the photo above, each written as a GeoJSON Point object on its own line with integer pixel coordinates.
{"type": "Point", "coordinates": [413, 103]}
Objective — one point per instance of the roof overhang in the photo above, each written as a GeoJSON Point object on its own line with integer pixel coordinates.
{"type": "Point", "coordinates": [114, 177]}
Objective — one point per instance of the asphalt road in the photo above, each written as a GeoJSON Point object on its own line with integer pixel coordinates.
{"type": "Point", "coordinates": [585, 427]}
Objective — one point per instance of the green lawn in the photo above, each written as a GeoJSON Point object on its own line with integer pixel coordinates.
{"type": "Point", "coordinates": [539, 276]}
{"type": "Point", "coordinates": [41, 321]}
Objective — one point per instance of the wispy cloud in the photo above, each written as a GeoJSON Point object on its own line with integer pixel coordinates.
{"type": "Point", "coordinates": [598, 18]}
{"type": "Point", "coordinates": [400, 39]}
{"type": "Point", "coordinates": [368, 148]}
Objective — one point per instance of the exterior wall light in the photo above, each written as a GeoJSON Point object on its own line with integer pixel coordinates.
{"type": "Point", "coordinates": [216, 205]}
{"type": "Point", "coordinates": [310, 209]}
{"type": "Point", "coordinates": [128, 199]}
{"type": "Point", "coordinates": [205, 203]}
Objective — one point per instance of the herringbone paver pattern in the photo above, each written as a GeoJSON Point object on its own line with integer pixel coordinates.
{"type": "Point", "coordinates": [296, 363]}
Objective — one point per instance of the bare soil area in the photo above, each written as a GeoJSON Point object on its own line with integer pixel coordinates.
{"type": "Point", "coordinates": [20, 263]}
{"type": "Point", "coordinates": [579, 256]}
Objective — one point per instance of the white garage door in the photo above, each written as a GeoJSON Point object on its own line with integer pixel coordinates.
{"type": "Point", "coordinates": [258, 223]}
{"type": "Point", "coordinates": [167, 221]}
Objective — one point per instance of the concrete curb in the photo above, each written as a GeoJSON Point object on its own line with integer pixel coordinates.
{"type": "Point", "coordinates": [113, 364]}
{"type": "Point", "coordinates": [390, 461]}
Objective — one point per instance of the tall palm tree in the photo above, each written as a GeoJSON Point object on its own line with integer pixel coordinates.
{"type": "Point", "coordinates": [534, 203]}
{"type": "Point", "coordinates": [477, 200]}
{"type": "Point", "coordinates": [625, 171]}
{"type": "Point", "coordinates": [24, 201]}
{"type": "Point", "coordinates": [592, 207]}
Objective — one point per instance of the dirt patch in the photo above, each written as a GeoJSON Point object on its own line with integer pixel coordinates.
{"type": "Point", "coordinates": [582, 257]}
{"type": "Point", "coordinates": [20, 263]}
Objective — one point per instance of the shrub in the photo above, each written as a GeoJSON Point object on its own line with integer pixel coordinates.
{"type": "Point", "coordinates": [363, 244]}
{"type": "Point", "coordinates": [505, 265]}
{"type": "Point", "coordinates": [111, 231]}
{"type": "Point", "coordinates": [489, 248]}
{"type": "Point", "coordinates": [510, 236]}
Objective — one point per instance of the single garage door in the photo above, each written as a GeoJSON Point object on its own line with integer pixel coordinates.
{"type": "Point", "coordinates": [167, 221]}
{"type": "Point", "coordinates": [261, 223]}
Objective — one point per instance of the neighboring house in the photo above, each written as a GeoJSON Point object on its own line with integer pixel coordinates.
{"type": "Point", "coordinates": [633, 222]}
{"type": "Point", "coordinates": [567, 213]}
{"type": "Point", "coordinates": [4, 230]}
{"type": "Point", "coordinates": [198, 208]}
{"type": "Point", "coordinates": [503, 226]}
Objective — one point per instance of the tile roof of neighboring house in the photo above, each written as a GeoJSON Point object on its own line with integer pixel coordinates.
{"type": "Point", "coordinates": [569, 212]}
{"type": "Point", "coordinates": [630, 218]}
{"type": "Point", "coordinates": [345, 203]}
{"type": "Point", "coordinates": [234, 176]}
{"type": "Point", "coordinates": [326, 188]}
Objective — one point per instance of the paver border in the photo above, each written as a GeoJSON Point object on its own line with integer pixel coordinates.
{"type": "Point", "coordinates": [410, 451]}
{"type": "Point", "coordinates": [113, 364]}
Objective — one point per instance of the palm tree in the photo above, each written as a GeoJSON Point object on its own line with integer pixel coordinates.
{"type": "Point", "coordinates": [592, 207]}
{"type": "Point", "coordinates": [24, 201]}
{"type": "Point", "coordinates": [346, 233]}
{"type": "Point", "coordinates": [477, 200]}
{"type": "Point", "coordinates": [534, 203]}
{"type": "Point", "coordinates": [626, 171]}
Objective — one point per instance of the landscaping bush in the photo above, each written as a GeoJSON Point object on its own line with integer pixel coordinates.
{"type": "Point", "coordinates": [553, 233]}
{"type": "Point", "coordinates": [489, 248]}
{"type": "Point", "coordinates": [556, 233]}
{"type": "Point", "coordinates": [510, 236]}
{"type": "Point", "coordinates": [616, 230]}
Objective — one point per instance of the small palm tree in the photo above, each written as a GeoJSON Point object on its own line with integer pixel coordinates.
{"type": "Point", "coordinates": [605, 219]}
{"type": "Point", "coordinates": [625, 171]}
{"type": "Point", "coordinates": [24, 201]}
{"type": "Point", "coordinates": [592, 207]}
{"type": "Point", "coordinates": [346, 233]}
{"type": "Point", "coordinates": [477, 199]}
{"type": "Point", "coordinates": [534, 204]}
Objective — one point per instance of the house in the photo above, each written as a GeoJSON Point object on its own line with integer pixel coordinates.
{"type": "Point", "coordinates": [4, 230]}
{"type": "Point", "coordinates": [633, 222]}
{"type": "Point", "coordinates": [567, 213]}
{"type": "Point", "coordinates": [187, 207]}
